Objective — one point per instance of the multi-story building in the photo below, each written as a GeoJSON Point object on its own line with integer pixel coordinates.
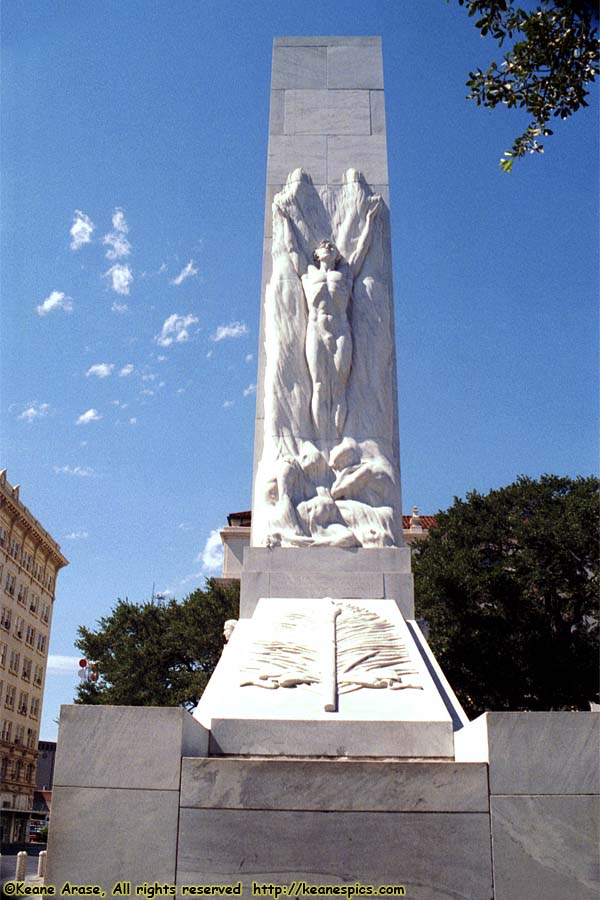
{"type": "Point", "coordinates": [29, 563]}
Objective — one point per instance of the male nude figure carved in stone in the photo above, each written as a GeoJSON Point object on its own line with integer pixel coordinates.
{"type": "Point", "coordinates": [327, 287]}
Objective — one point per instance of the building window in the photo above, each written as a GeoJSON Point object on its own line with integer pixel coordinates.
{"type": "Point", "coordinates": [5, 766]}
{"type": "Point", "coordinates": [3, 653]}
{"type": "Point", "coordinates": [31, 737]}
{"type": "Point", "coordinates": [34, 603]}
{"type": "Point", "coordinates": [37, 571]}
{"type": "Point", "coordinates": [38, 675]}
{"type": "Point", "coordinates": [15, 659]}
{"type": "Point", "coordinates": [5, 618]}
{"type": "Point", "coordinates": [26, 670]}
{"type": "Point", "coordinates": [23, 703]}
{"type": "Point", "coordinates": [41, 643]}
{"type": "Point", "coordinates": [19, 627]}
{"type": "Point", "coordinates": [35, 707]}
{"type": "Point", "coordinates": [9, 700]}
{"type": "Point", "coordinates": [45, 612]}
{"type": "Point", "coordinates": [30, 635]}
{"type": "Point", "coordinates": [14, 548]}
{"type": "Point", "coordinates": [3, 537]}
{"type": "Point", "coordinates": [6, 731]}
{"type": "Point", "coordinates": [30, 777]}
{"type": "Point", "coordinates": [9, 585]}
{"type": "Point", "coordinates": [18, 766]}
{"type": "Point", "coordinates": [1, 690]}
{"type": "Point", "coordinates": [27, 560]}
{"type": "Point", "coordinates": [22, 594]}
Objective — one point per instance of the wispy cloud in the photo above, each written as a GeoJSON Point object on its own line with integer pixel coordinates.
{"type": "Point", "coordinates": [133, 420]}
{"type": "Point", "coordinates": [251, 389]}
{"type": "Point", "coordinates": [121, 277]}
{"type": "Point", "coordinates": [119, 307]}
{"type": "Point", "coordinates": [55, 300]}
{"type": "Point", "coordinates": [90, 415]}
{"type": "Point", "coordinates": [35, 411]}
{"type": "Point", "coordinates": [175, 330]}
{"type": "Point", "coordinates": [79, 471]}
{"type": "Point", "coordinates": [62, 665]}
{"type": "Point", "coordinates": [233, 330]}
{"type": "Point", "coordinates": [228, 404]}
{"type": "Point", "coordinates": [115, 240]}
{"type": "Point", "coordinates": [81, 230]}
{"type": "Point", "coordinates": [211, 556]}
{"type": "Point", "coordinates": [77, 536]}
{"type": "Point", "coordinates": [126, 370]}
{"type": "Point", "coordinates": [249, 357]}
{"type": "Point", "coordinates": [100, 370]}
{"type": "Point", "coordinates": [187, 272]}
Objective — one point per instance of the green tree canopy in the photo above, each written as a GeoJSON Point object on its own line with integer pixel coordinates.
{"type": "Point", "coordinates": [157, 654]}
{"type": "Point", "coordinates": [509, 585]}
{"type": "Point", "coordinates": [554, 56]}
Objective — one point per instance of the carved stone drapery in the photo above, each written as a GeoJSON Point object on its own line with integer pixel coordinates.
{"type": "Point", "coordinates": [329, 470]}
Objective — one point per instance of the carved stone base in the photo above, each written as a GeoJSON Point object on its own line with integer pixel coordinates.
{"type": "Point", "coordinates": [350, 572]}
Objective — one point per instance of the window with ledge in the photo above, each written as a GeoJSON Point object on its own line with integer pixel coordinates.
{"type": "Point", "coordinates": [19, 631]}
{"type": "Point", "coordinates": [45, 612]}
{"type": "Point", "coordinates": [34, 603]}
{"type": "Point", "coordinates": [1, 690]}
{"type": "Point", "coordinates": [3, 653]}
{"type": "Point", "coordinates": [22, 594]}
{"type": "Point", "coordinates": [27, 560]}
{"type": "Point", "coordinates": [18, 765]}
{"type": "Point", "coordinates": [34, 709]}
{"type": "Point", "coordinates": [30, 635]}
{"type": "Point", "coordinates": [15, 659]}
{"type": "Point", "coordinates": [30, 773]}
{"type": "Point", "coordinates": [3, 536]}
{"type": "Point", "coordinates": [15, 548]}
{"type": "Point", "coordinates": [5, 618]}
{"type": "Point", "coordinates": [26, 670]}
{"type": "Point", "coordinates": [38, 675]}
{"type": "Point", "coordinates": [6, 732]}
{"type": "Point", "coordinates": [5, 767]}
{"type": "Point", "coordinates": [37, 571]}
{"type": "Point", "coordinates": [9, 700]}
{"type": "Point", "coordinates": [23, 703]}
{"type": "Point", "coordinates": [41, 643]}
{"type": "Point", "coordinates": [9, 584]}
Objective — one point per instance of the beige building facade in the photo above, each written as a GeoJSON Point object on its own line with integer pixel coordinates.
{"type": "Point", "coordinates": [30, 560]}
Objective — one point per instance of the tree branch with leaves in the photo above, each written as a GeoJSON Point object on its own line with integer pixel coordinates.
{"type": "Point", "coordinates": [555, 55]}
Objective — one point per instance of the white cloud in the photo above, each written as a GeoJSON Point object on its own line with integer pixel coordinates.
{"type": "Point", "coordinates": [161, 358]}
{"type": "Point", "coordinates": [35, 411]}
{"type": "Point", "coordinates": [119, 307]}
{"type": "Point", "coordinates": [175, 330]}
{"type": "Point", "coordinates": [251, 389]}
{"type": "Point", "coordinates": [90, 415]}
{"type": "Point", "coordinates": [133, 420]}
{"type": "Point", "coordinates": [147, 392]}
{"type": "Point", "coordinates": [185, 526]}
{"type": "Point", "coordinates": [211, 556]}
{"type": "Point", "coordinates": [233, 330]}
{"type": "Point", "coordinates": [228, 404]}
{"type": "Point", "coordinates": [187, 272]}
{"type": "Point", "coordinates": [55, 300]}
{"type": "Point", "coordinates": [126, 370]}
{"type": "Point", "coordinates": [149, 376]}
{"type": "Point", "coordinates": [77, 536]}
{"type": "Point", "coordinates": [100, 370]}
{"type": "Point", "coordinates": [121, 277]}
{"type": "Point", "coordinates": [115, 240]}
{"type": "Point", "coordinates": [62, 665]}
{"type": "Point", "coordinates": [79, 471]}
{"type": "Point", "coordinates": [249, 357]}
{"type": "Point", "coordinates": [81, 230]}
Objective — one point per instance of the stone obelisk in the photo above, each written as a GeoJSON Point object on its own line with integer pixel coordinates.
{"type": "Point", "coordinates": [326, 483]}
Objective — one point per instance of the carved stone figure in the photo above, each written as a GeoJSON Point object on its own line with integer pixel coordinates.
{"type": "Point", "coordinates": [329, 471]}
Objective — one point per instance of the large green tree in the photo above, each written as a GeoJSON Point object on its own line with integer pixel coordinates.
{"type": "Point", "coordinates": [554, 56]}
{"type": "Point", "coordinates": [509, 585]}
{"type": "Point", "coordinates": [157, 654]}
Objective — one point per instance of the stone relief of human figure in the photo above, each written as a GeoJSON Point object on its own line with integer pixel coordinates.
{"type": "Point", "coordinates": [327, 287]}
{"type": "Point", "coordinates": [328, 472]}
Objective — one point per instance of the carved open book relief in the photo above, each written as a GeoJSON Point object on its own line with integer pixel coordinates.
{"type": "Point", "coordinates": [340, 648]}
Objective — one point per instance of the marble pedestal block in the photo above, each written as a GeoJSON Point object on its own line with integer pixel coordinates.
{"type": "Point", "coordinates": [356, 573]}
{"type": "Point", "coordinates": [423, 826]}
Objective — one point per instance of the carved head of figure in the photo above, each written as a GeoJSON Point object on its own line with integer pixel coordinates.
{"type": "Point", "coordinates": [326, 252]}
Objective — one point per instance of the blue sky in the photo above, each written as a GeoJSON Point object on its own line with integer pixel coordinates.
{"type": "Point", "coordinates": [129, 348]}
